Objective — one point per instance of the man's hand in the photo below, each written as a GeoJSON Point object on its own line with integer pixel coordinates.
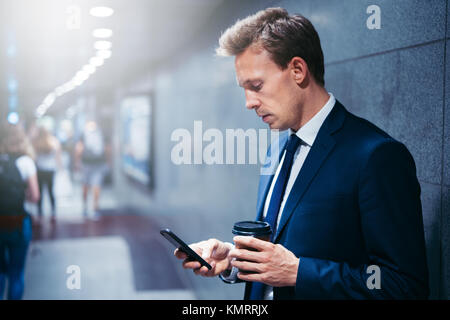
{"type": "Point", "coordinates": [213, 251]}
{"type": "Point", "coordinates": [271, 264]}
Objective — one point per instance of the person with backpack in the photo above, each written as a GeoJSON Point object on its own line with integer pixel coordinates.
{"type": "Point", "coordinates": [18, 183]}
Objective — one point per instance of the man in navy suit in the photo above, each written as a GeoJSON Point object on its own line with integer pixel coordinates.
{"type": "Point", "coordinates": [344, 199]}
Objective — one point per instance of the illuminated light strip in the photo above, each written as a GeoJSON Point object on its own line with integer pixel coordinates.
{"type": "Point", "coordinates": [80, 77]}
{"type": "Point", "coordinates": [103, 52]}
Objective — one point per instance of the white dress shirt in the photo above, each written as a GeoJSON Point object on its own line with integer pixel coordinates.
{"type": "Point", "coordinates": [307, 133]}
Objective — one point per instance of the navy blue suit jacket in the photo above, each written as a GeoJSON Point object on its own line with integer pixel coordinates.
{"type": "Point", "coordinates": [355, 203]}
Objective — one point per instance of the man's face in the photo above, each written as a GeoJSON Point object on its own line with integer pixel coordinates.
{"type": "Point", "coordinates": [271, 92]}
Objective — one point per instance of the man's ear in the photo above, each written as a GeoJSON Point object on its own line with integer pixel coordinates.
{"type": "Point", "coordinates": [299, 69]}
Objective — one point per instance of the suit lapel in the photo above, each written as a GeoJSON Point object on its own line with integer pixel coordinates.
{"type": "Point", "coordinates": [320, 150]}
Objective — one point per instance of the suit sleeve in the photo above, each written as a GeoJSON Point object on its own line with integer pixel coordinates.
{"type": "Point", "coordinates": [392, 227]}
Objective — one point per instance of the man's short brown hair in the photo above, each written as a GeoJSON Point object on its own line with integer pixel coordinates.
{"type": "Point", "coordinates": [282, 35]}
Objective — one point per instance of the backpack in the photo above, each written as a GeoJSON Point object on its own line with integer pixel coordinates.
{"type": "Point", "coordinates": [12, 187]}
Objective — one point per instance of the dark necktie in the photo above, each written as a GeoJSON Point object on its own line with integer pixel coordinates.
{"type": "Point", "coordinates": [257, 291]}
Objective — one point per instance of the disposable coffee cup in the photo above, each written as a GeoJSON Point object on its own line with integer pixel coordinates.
{"type": "Point", "coordinates": [256, 229]}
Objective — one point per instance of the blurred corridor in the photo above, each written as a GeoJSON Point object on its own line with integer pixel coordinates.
{"type": "Point", "coordinates": [111, 250]}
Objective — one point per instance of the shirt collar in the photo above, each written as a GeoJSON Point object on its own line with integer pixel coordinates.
{"type": "Point", "coordinates": [308, 132]}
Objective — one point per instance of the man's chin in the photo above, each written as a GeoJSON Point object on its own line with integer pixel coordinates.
{"type": "Point", "coordinates": [275, 126]}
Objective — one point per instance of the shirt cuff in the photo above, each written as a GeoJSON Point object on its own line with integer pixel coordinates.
{"type": "Point", "coordinates": [230, 276]}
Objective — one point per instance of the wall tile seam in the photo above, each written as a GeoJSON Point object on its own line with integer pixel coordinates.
{"type": "Point", "coordinates": [375, 54]}
{"type": "Point", "coordinates": [442, 287]}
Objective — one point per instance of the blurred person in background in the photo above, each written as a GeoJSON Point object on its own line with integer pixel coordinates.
{"type": "Point", "coordinates": [91, 156]}
{"type": "Point", "coordinates": [48, 160]}
{"type": "Point", "coordinates": [18, 183]}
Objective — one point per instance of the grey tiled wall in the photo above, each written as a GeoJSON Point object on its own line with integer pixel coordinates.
{"type": "Point", "coordinates": [396, 77]}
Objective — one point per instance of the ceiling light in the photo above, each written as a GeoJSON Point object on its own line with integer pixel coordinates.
{"type": "Point", "coordinates": [96, 61]}
{"type": "Point", "coordinates": [102, 45]}
{"type": "Point", "coordinates": [101, 12]}
{"type": "Point", "coordinates": [60, 91]}
{"type": "Point", "coordinates": [82, 75]}
{"type": "Point", "coordinates": [13, 117]}
{"type": "Point", "coordinates": [68, 86]}
{"type": "Point", "coordinates": [41, 110]}
{"type": "Point", "coordinates": [77, 81]}
{"type": "Point", "coordinates": [104, 54]}
{"type": "Point", "coordinates": [89, 69]}
{"type": "Point", "coordinates": [49, 99]}
{"type": "Point", "coordinates": [102, 33]}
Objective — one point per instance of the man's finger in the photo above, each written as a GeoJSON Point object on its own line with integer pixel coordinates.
{"type": "Point", "coordinates": [209, 248]}
{"type": "Point", "coordinates": [247, 266]}
{"type": "Point", "coordinates": [250, 276]}
{"type": "Point", "coordinates": [189, 264]}
{"type": "Point", "coordinates": [250, 242]}
{"type": "Point", "coordinates": [197, 271]}
{"type": "Point", "coordinates": [180, 254]}
{"type": "Point", "coordinates": [247, 255]}
{"type": "Point", "coordinates": [201, 270]}
{"type": "Point", "coordinates": [204, 271]}
{"type": "Point", "coordinates": [212, 272]}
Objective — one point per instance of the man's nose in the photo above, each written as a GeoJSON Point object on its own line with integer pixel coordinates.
{"type": "Point", "coordinates": [251, 101]}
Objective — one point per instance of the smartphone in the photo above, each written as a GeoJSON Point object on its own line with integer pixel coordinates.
{"type": "Point", "coordinates": [181, 245]}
